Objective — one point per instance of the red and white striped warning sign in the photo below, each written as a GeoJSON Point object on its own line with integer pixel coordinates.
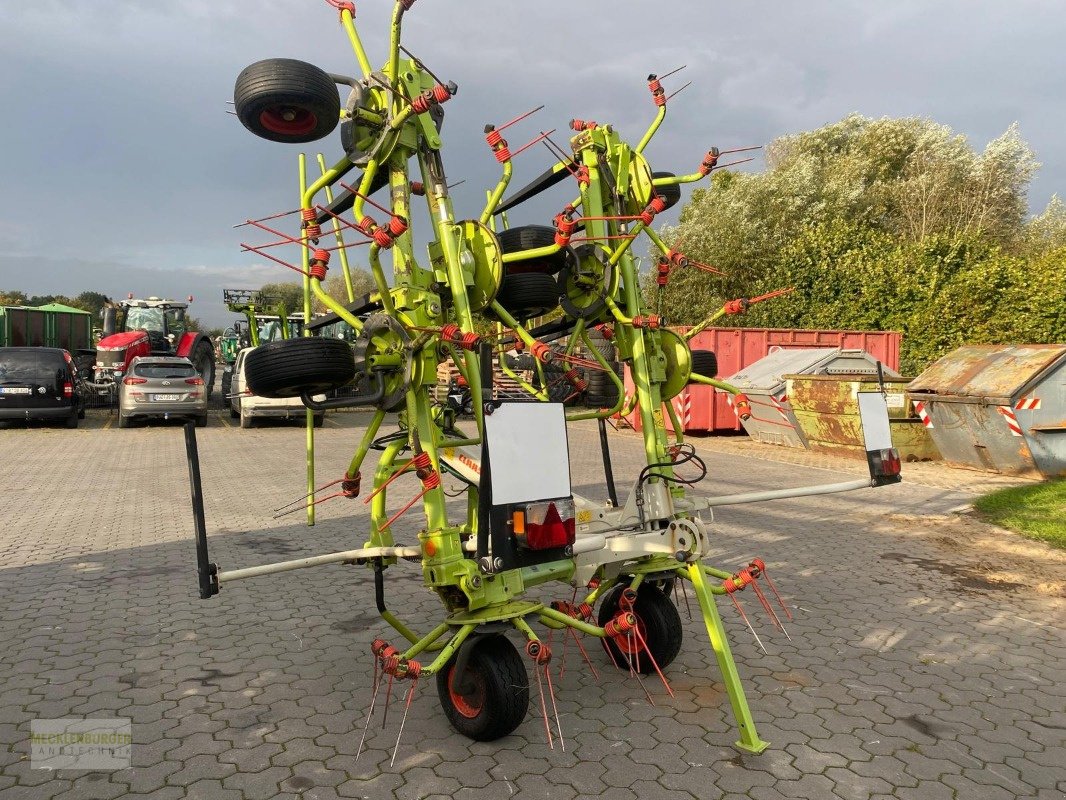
{"type": "Point", "coordinates": [1028, 404]}
{"type": "Point", "coordinates": [777, 401]}
{"type": "Point", "coordinates": [919, 409]}
{"type": "Point", "coordinates": [1012, 421]}
{"type": "Point", "coordinates": [683, 407]}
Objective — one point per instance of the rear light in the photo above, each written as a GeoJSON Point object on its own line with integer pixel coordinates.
{"type": "Point", "coordinates": [195, 381]}
{"type": "Point", "coordinates": [133, 381]}
{"type": "Point", "coordinates": [68, 390]}
{"type": "Point", "coordinates": [545, 526]}
{"type": "Point", "coordinates": [885, 463]}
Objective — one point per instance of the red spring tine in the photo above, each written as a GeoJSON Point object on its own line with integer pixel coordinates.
{"type": "Point", "coordinates": [543, 705]}
{"type": "Point", "coordinates": [777, 594]}
{"type": "Point", "coordinates": [740, 149]}
{"type": "Point", "coordinates": [394, 476]}
{"type": "Point", "coordinates": [732, 163]}
{"type": "Point", "coordinates": [555, 708]}
{"type": "Point", "coordinates": [769, 608]}
{"type": "Point", "coordinates": [370, 713]}
{"type": "Point", "coordinates": [264, 219]}
{"type": "Point", "coordinates": [357, 193]}
{"type": "Point", "coordinates": [674, 94]}
{"type": "Point", "coordinates": [684, 592]}
{"type": "Point", "coordinates": [259, 252]}
{"type": "Point", "coordinates": [405, 509]}
{"type": "Point", "coordinates": [523, 148]}
{"type": "Point", "coordinates": [312, 494]}
{"type": "Point", "coordinates": [672, 72]}
{"type": "Point", "coordinates": [406, 708]}
{"type": "Point", "coordinates": [744, 617]}
{"type": "Point", "coordinates": [654, 663]}
{"type": "Point", "coordinates": [584, 654]}
{"type": "Point", "coordinates": [519, 118]}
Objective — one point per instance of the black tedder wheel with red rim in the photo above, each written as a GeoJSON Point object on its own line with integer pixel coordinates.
{"type": "Point", "coordinates": [658, 622]}
{"type": "Point", "coordinates": [490, 699]}
{"type": "Point", "coordinates": [285, 100]}
{"type": "Point", "coordinates": [671, 193]}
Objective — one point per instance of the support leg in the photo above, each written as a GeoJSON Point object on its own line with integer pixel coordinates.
{"type": "Point", "coordinates": [749, 737]}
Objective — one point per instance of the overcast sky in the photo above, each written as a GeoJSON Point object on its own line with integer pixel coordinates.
{"type": "Point", "coordinates": [121, 170]}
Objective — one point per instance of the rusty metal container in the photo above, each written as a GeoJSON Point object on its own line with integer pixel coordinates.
{"type": "Point", "coordinates": [773, 419]}
{"type": "Point", "coordinates": [1000, 408]}
{"type": "Point", "coordinates": [703, 409]}
{"type": "Point", "coordinates": [827, 411]}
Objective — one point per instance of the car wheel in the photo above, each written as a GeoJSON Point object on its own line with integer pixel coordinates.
{"type": "Point", "coordinates": [284, 100]}
{"type": "Point", "coordinates": [72, 421]}
{"type": "Point", "coordinates": [291, 367]}
{"type": "Point", "coordinates": [201, 421]}
{"type": "Point", "coordinates": [123, 422]}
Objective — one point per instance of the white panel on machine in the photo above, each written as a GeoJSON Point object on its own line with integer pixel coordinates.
{"type": "Point", "coordinates": [873, 413]}
{"type": "Point", "coordinates": [529, 455]}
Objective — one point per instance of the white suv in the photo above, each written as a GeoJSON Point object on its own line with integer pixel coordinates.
{"type": "Point", "coordinates": [250, 407]}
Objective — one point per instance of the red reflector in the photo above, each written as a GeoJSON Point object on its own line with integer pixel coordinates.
{"type": "Point", "coordinates": [552, 530]}
{"type": "Point", "coordinates": [68, 390]}
{"type": "Point", "coordinates": [134, 381]}
{"type": "Point", "coordinates": [888, 462]}
{"type": "Point", "coordinates": [195, 381]}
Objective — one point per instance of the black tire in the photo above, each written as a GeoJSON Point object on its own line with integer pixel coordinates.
{"type": "Point", "coordinates": [705, 363]}
{"type": "Point", "coordinates": [533, 237]}
{"type": "Point", "coordinates": [71, 422]}
{"type": "Point", "coordinates": [203, 358]}
{"type": "Point", "coordinates": [497, 697]}
{"type": "Point", "coordinates": [528, 295]}
{"type": "Point", "coordinates": [233, 412]}
{"type": "Point", "coordinates": [659, 622]}
{"type": "Point", "coordinates": [672, 193]}
{"type": "Point", "coordinates": [284, 100]}
{"type": "Point", "coordinates": [201, 421]}
{"type": "Point", "coordinates": [123, 422]}
{"type": "Point", "coordinates": [290, 367]}
{"type": "Point", "coordinates": [318, 420]}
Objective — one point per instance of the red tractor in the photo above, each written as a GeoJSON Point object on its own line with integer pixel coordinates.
{"type": "Point", "coordinates": [149, 327]}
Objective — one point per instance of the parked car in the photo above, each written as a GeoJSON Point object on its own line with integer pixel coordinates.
{"type": "Point", "coordinates": [162, 386]}
{"type": "Point", "coordinates": [249, 407]}
{"type": "Point", "coordinates": [40, 383]}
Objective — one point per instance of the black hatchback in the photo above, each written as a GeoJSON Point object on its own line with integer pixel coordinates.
{"type": "Point", "coordinates": [40, 383]}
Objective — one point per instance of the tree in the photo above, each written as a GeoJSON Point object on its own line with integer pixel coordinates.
{"type": "Point", "coordinates": [12, 298]}
{"type": "Point", "coordinates": [895, 224]}
{"type": "Point", "coordinates": [335, 286]}
{"type": "Point", "coordinates": [291, 294]}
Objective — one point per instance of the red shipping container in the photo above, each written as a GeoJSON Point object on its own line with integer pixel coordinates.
{"type": "Point", "coordinates": [703, 409]}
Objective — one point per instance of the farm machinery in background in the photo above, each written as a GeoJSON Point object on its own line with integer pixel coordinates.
{"type": "Point", "coordinates": [152, 326]}
{"type": "Point", "coordinates": [520, 530]}
{"type": "Point", "coordinates": [266, 319]}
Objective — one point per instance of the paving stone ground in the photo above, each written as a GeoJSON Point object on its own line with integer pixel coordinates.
{"type": "Point", "coordinates": [911, 672]}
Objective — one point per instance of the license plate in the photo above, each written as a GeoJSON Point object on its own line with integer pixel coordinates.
{"type": "Point", "coordinates": [15, 390]}
{"type": "Point", "coordinates": [164, 398]}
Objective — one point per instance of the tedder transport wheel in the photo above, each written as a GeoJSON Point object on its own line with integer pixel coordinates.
{"type": "Point", "coordinates": [290, 367]}
{"type": "Point", "coordinates": [490, 699]}
{"type": "Point", "coordinates": [285, 100]}
{"type": "Point", "coordinates": [671, 193]}
{"type": "Point", "coordinates": [705, 363]}
{"type": "Point", "coordinates": [528, 295]}
{"type": "Point", "coordinates": [533, 237]}
{"type": "Point", "coordinates": [657, 621]}
{"type": "Point", "coordinates": [203, 358]}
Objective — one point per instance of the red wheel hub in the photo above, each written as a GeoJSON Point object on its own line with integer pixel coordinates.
{"type": "Point", "coordinates": [471, 704]}
{"type": "Point", "coordinates": [288, 120]}
{"type": "Point", "coordinates": [630, 644]}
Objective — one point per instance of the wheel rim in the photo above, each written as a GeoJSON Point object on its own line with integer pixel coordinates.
{"type": "Point", "coordinates": [288, 120]}
{"type": "Point", "coordinates": [467, 705]}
